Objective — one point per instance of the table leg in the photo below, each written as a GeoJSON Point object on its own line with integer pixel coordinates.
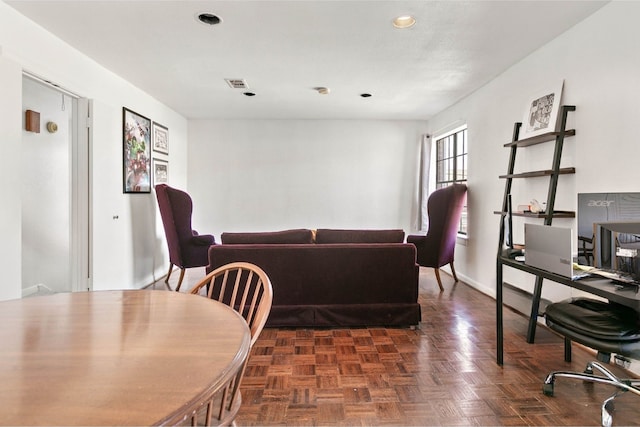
{"type": "Point", "coordinates": [535, 305]}
{"type": "Point", "coordinates": [499, 325]}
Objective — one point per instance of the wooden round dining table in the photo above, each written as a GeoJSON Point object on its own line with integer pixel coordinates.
{"type": "Point", "coordinates": [138, 357]}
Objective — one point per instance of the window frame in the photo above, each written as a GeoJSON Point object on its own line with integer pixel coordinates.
{"type": "Point", "coordinates": [451, 156]}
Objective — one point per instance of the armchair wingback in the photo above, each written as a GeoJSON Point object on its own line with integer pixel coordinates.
{"type": "Point", "coordinates": [437, 248]}
{"type": "Point", "coordinates": [187, 248]}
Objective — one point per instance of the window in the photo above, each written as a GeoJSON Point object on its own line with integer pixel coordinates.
{"type": "Point", "coordinates": [451, 165]}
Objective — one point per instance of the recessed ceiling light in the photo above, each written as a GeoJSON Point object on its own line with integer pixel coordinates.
{"type": "Point", "coordinates": [209, 18]}
{"type": "Point", "coordinates": [404, 21]}
{"type": "Point", "coordinates": [323, 90]}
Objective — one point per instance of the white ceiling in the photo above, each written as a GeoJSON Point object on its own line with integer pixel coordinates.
{"type": "Point", "coordinates": [284, 49]}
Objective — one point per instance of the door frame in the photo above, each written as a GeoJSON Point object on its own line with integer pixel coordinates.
{"type": "Point", "coordinates": [81, 202]}
{"type": "Point", "coordinates": [80, 212]}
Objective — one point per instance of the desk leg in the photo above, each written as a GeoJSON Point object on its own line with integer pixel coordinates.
{"type": "Point", "coordinates": [535, 305]}
{"type": "Point", "coordinates": [499, 325]}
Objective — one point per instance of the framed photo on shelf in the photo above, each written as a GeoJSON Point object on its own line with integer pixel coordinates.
{"type": "Point", "coordinates": [136, 152]}
{"type": "Point", "coordinates": [541, 114]}
{"type": "Point", "coordinates": [160, 138]}
{"type": "Point", "coordinates": [160, 171]}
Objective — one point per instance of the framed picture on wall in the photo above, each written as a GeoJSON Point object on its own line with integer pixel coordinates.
{"type": "Point", "coordinates": [136, 152]}
{"type": "Point", "coordinates": [160, 138]}
{"type": "Point", "coordinates": [160, 171]}
{"type": "Point", "coordinates": [541, 114]}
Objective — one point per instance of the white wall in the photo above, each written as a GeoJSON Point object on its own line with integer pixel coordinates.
{"type": "Point", "coordinates": [128, 251]}
{"type": "Point", "coordinates": [267, 175]}
{"type": "Point", "coordinates": [600, 65]}
{"type": "Point", "coordinates": [11, 206]}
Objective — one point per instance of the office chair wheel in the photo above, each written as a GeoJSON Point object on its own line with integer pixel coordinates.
{"type": "Point", "coordinates": [547, 389]}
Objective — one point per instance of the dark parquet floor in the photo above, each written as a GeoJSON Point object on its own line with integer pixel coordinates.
{"type": "Point", "coordinates": [440, 374]}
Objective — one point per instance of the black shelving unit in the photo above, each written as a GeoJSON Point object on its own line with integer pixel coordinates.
{"type": "Point", "coordinates": [548, 215]}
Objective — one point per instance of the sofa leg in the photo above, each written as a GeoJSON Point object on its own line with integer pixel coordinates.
{"type": "Point", "coordinates": [437, 270]}
{"type": "Point", "coordinates": [453, 271]}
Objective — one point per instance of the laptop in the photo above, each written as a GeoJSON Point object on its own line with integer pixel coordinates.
{"type": "Point", "coordinates": [551, 248]}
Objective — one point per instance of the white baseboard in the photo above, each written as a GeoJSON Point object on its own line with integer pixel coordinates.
{"type": "Point", "coordinates": [40, 288]}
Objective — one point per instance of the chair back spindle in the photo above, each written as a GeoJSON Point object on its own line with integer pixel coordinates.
{"type": "Point", "coordinates": [247, 289]}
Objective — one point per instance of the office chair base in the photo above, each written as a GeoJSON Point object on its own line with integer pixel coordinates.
{"type": "Point", "coordinates": [622, 385]}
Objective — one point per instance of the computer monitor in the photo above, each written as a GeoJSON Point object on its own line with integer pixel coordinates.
{"type": "Point", "coordinates": [612, 220]}
{"type": "Point", "coordinates": [617, 245]}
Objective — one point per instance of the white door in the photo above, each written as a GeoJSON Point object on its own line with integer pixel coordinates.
{"type": "Point", "coordinates": [55, 192]}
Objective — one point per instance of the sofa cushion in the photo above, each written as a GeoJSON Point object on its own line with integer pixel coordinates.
{"type": "Point", "coordinates": [297, 236]}
{"type": "Point", "coordinates": [325, 235]}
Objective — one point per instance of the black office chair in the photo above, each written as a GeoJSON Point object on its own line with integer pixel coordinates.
{"type": "Point", "coordinates": [604, 326]}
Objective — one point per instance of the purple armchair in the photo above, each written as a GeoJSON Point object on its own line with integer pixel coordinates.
{"type": "Point", "coordinates": [187, 248]}
{"type": "Point", "coordinates": [438, 246]}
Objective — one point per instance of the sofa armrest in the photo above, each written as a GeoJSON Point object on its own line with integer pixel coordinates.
{"type": "Point", "coordinates": [203, 240]}
{"type": "Point", "coordinates": [416, 239]}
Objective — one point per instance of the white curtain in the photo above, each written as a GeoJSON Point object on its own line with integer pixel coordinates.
{"type": "Point", "coordinates": [425, 167]}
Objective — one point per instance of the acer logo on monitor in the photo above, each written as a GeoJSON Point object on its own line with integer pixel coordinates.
{"type": "Point", "coordinates": [601, 203]}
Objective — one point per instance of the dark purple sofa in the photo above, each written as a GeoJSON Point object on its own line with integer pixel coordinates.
{"type": "Point", "coordinates": [338, 278]}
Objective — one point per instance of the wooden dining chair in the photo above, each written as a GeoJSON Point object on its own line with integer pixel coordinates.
{"type": "Point", "coordinates": [247, 289]}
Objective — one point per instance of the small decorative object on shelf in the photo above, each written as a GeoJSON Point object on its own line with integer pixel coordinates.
{"type": "Point", "coordinates": [542, 111]}
{"type": "Point", "coordinates": [534, 207]}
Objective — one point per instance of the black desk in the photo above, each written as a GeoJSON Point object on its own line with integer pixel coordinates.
{"type": "Point", "coordinates": [605, 288]}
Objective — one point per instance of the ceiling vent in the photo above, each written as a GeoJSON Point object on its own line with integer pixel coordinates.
{"type": "Point", "coordinates": [237, 83]}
